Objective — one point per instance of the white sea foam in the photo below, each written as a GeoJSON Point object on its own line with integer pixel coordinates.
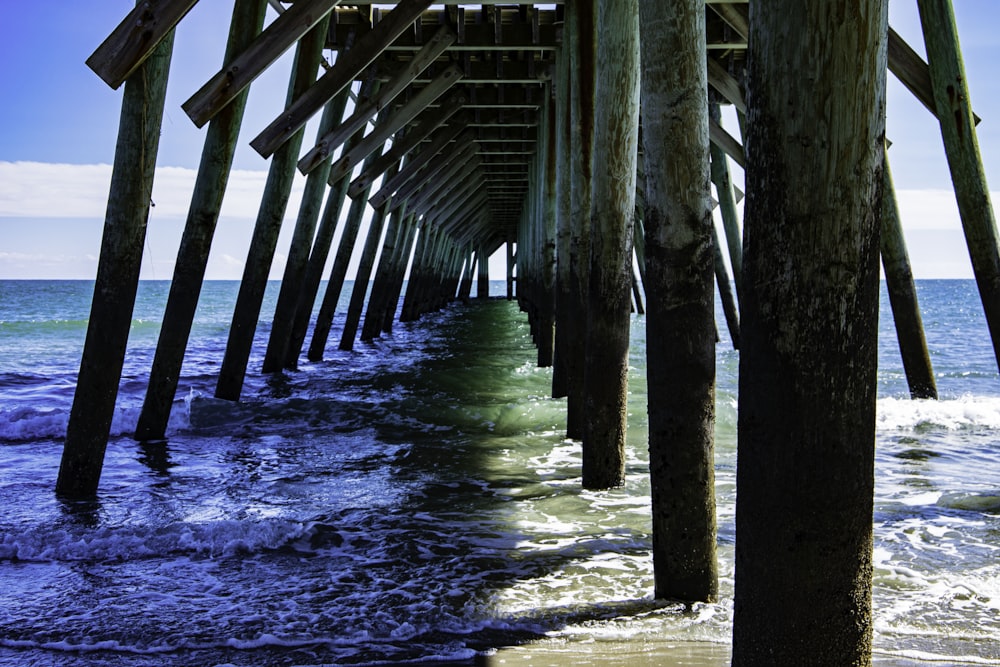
{"type": "Point", "coordinates": [960, 413]}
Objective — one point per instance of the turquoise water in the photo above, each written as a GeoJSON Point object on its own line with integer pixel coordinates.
{"type": "Point", "coordinates": [415, 499]}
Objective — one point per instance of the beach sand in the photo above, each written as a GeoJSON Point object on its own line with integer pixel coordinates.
{"type": "Point", "coordinates": [555, 653]}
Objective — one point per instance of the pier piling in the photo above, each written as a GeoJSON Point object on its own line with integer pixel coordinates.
{"type": "Point", "coordinates": [809, 305]}
{"type": "Point", "coordinates": [196, 240]}
{"type": "Point", "coordinates": [612, 209]}
{"type": "Point", "coordinates": [117, 275]}
{"type": "Point", "coordinates": [680, 319]}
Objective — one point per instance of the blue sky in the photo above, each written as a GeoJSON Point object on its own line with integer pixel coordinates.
{"type": "Point", "coordinates": [58, 124]}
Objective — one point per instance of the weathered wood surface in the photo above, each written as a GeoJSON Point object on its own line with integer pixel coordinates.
{"type": "Point", "coordinates": [196, 240]}
{"type": "Point", "coordinates": [348, 67]}
{"type": "Point", "coordinates": [455, 133]}
{"type": "Point", "coordinates": [429, 122]}
{"type": "Point", "coordinates": [581, 19]}
{"type": "Point", "coordinates": [612, 207]}
{"type": "Point", "coordinates": [117, 276]}
{"type": "Point", "coordinates": [389, 124]}
{"type": "Point", "coordinates": [300, 248]}
{"type": "Point", "coordinates": [321, 251]}
{"type": "Point", "coordinates": [903, 297]}
{"type": "Point", "coordinates": [809, 307]}
{"type": "Point", "coordinates": [954, 111]}
{"type": "Point", "coordinates": [135, 38]}
{"type": "Point", "coordinates": [258, 56]}
{"type": "Point", "coordinates": [271, 214]}
{"type": "Point", "coordinates": [365, 265]}
{"type": "Point", "coordinates": [680, 270]}
{"type": "Point", "coordinates": [332, 139]}
{"type": "Point", "coordinates": [913, 72]}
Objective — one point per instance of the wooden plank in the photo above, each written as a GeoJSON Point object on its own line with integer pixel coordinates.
{"type": "Point", "coordinates": [365, 110]}
{"type": "Point", "coordinates": [380, 134]}
{"type": "Point", "coordinates": [726, 84]}
{"type": "Point", "coordinates": [412, 139]}
{"type": "Point", "coordinates": [913, 72]}
{"type": "Point", "coordinates": [287, 29]}
{"type": "Point", "coordinates": [726, 142]}
{"type": "Point", "coordinates": [441, 170]}
{"type": "Point", "coordinates": [419, 161]}
{"type": "Point", "coordinates": [347, 68]}
{"type": "Point", "coordinates": [735, 17]}
{"type": "Point", "coordinates": [478, 38]}
{"type": "Point", "coordinates": [134, 39]}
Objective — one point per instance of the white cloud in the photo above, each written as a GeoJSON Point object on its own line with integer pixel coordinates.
{"type": "Point", "coordinates": [47, 190]}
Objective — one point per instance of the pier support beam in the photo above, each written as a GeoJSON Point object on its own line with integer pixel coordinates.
{"type": "Point", "coordinates": [808, 355]}
{"type": "Point", "coordinates": [117, 276]}
{"type": "Point", "coordinates": [581, 23]}
{"type": "Point", "coordinates": [958, 129]}
{"type": "Point", "coordinates": [269, 218]}
{"type": "Point", "coordinates": [612, 210]}
{"type": "Point", "coordinates": [301, 245]}
{"type": "Point", "coordinates": [482, 274]}
{"type": "Point", "coordinates": [903, 297]}
{"type": "Point", "coordinates": [727, 202]}
{"type": "Point", "coordinates": [196, 241]}
{"type": "Point", "coordinates": [680, 318]}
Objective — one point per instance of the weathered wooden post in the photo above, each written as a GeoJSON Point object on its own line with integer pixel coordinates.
{"type": "Point", "coordinates": [564, 208]}
{"type": "Point", "coordinates": [117, 276]}
{"type": "Point", "coordinates": [546, 221]}
{"type": "Point", "coordinates": [729, 309]}
{"type": "Point", "coordinates": [483, 275]}
{"type": "Point", "coordinates": [511, 263]}
{"type": "Point", "coordinates": [581, 21]}
{"type": "Point", "coordinates": [338, 272]}
{"type": "Point", "coordinates": [727, 201]}
{"type": "Point", "coordinates": [378, 302]}
{"type": "Point", "coordinates": [680, 317]}
{"type": "Point", "coordinates": [954, 111]}
{"type": "Point", "coordinates": [612, 209]}
{"type": "Point", "coordinates": [903, 297]}
{"type": "Point", "coordinates": [365, 265]}
{"type": "Point", "coordinates": [301, 244]}
{"type": "Point", "coordinates": [199, 230]}
{"type": "Point", "coordinates": [320, 252]}
{"type": "Point", "coordinates": [269, 218]}
{"type": "Point", "coordinates": [809, 333]}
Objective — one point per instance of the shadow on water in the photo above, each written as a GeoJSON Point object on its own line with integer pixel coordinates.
{"type": "Point", "coordinates": [401, 504]}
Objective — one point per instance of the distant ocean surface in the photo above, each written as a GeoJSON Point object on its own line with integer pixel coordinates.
{"type": "Point", "coordinates": [415, 499]}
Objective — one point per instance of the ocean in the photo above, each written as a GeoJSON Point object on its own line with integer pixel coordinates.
{"type": "Point", "coordinates": [415, 500]}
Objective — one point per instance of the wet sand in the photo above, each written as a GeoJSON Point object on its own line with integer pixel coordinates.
{"type": "Point", "coordinates": [556, 653]}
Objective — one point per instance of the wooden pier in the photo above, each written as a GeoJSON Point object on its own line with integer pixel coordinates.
{"type": "Point", "coordinates": [584, 140]}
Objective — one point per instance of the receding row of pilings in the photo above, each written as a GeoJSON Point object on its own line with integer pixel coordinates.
{"type": "Point", "coordinates": [443, 258]}
{"type": "Point", "coordinates": [819, 213]}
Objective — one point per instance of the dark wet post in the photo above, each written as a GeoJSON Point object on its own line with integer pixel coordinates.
{"type": "Point", "coordinates": [564, 207]}
{"type": "Point", "coordinates": [269, 218]}
{"type": "Point", "coordinates": [581, 21]}
{"type": "Point", "coordinates": [338, 272]}
{"type": "Point", "coordinates": [546, 212]}
{"type": "Point", "coordinates": [903, 297]}
{"type": "Point", "coordinates": [680, 318]}
{"type": "Point", "coordinates": [612, 210]}
{"type": "Point", "coordinates": [809, 334]}
{"type": "Point", "coordinates": [320, 252]}
{"type": "Point", "coordinates": [196, 241]}
{"type": "Point", "coordinates": [727, 202]}
{"type": "Point", "coordinates": [483, 275]}
{"type": "Point", "coordinates": [729, 309]}
{"type": "Point", "coordinates": [365, 266]}
{"type": "Point", "coordinates": [117, 276]}
{"type": "Point", "coordinates": [510, 270]}
{"type": "Point", "coordinates": [301, 245]}
{"type": "Point", "coordinates": [400, 264]}
{"type": "Point", "coordinates": [954, 110]}
{"type": "Point", "coordinates": [379, 299]}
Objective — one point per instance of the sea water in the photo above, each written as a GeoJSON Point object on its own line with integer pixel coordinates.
{"type": "Point", "coordinates": [416, 500]}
